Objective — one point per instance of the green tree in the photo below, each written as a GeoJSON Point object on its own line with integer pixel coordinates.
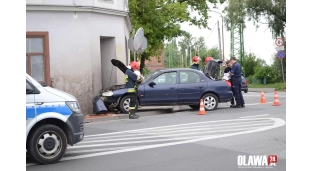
{"type": "Point", "coordinates": [252, 62]}
{"type": "Point", "coordinates": [273, 11]}
{"type": "Point", "coordinates": [160, 20]}
{"type": "Point", "coordinates": [172, 55]}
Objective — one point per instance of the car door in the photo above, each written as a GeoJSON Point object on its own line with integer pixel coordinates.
{"type": "Point", "coordinates": [191, 87]}
{"type": "Point", "coordinates": [164, 91]}
{"type": "Point", "coordinates": [30, 103]}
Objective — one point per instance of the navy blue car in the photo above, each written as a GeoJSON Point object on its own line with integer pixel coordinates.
{"type": "Point", "coordinates": [166, 87]}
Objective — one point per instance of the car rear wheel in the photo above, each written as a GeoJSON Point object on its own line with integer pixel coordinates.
{"type": "Point", "coordinates": [195, 107]}
{"type": "Point", "coordinates": [124, 104]}
{"type": "Point", "coordinates": [210, 101]}
{"type": "Point", "coordinates": [246, 91]}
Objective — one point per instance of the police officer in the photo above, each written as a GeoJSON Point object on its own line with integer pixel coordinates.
{"type": "Point", "coordinates": [228, 70]}
{"type": "Point", "coordinates": [237, 80]}
{"type": "Point", "coordinates": [195, 64]}
{"type": "Point", "coordinates": [132, 81]}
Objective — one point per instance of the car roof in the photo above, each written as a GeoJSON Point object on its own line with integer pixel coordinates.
{"type": "Point", "coordinates": [177, 69]}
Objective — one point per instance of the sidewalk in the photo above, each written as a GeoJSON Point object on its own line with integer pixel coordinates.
{"type": "Point", "coordinates": [146, 111]}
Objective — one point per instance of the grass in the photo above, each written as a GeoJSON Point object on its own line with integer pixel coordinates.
{"type": "Point", "coordinates": [277, 86]}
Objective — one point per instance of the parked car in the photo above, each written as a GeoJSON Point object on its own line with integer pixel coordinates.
{"type": "Point", "coordinates": [181, 86]}
{"type": "Point", "coordinates": [244, 84]}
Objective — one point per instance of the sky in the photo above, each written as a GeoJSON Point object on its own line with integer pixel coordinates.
{"type": "Point", "coordinates": [256, 40]}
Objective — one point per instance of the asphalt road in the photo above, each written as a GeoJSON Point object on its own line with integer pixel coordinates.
{"type": "Point", "coordinates": [183, 141]}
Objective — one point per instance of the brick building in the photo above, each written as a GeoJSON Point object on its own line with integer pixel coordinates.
{"type": "Point", "coordinates": [153, 64]}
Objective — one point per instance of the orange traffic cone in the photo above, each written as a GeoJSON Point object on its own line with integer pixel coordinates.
{"type": "Point", "coordinates": [202, 110]}
{"type": "Point", "coordinates": [262, 100]}
{"type": "Point", "coordinates": [276, 101]}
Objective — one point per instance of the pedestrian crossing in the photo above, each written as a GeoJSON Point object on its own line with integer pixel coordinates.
{"type": "Point", "coordinates": [155, 137]}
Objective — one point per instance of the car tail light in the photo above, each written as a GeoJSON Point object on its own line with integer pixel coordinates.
{"type": "Point", "coordinates": [246, 82]}
{"type": "Point", "coordinates": [228, 83]}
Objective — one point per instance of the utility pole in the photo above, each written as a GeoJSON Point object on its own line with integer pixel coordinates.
{"type": "Point", "coordinates": [237, 40]}
{"type": "Point", "coordinates": [220, 48]}
{"type": "Point", "coordinates": [190, 54]}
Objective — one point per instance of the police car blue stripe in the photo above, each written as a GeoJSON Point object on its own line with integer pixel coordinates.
{"type": "Point", "coordinates": [41, 109]}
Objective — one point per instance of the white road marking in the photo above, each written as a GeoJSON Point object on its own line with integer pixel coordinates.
{"type": "Point", "coordinates": [147, 138]}
{"type": "Point", "coordinates": [170, 126]}
{"type": "Point", "coordinates": [278, 123]}
{"type": "Point", "coordinates": [172, 133]}
{"type": "Point", "coordinates": [97, 150]}
{"type": "Point", "coordinates": [254, 116]}
{"type": "Point", "coordinates": [253, 95]}
{"type": "Point", "coordinates": [141, 132]}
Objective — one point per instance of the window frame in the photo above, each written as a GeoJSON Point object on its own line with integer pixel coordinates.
{"type": "Point", "coordinates": [160, 74]}
{"type": "Point", "coordinates": [45, 53]}
{"type": "Point", "coordinates": [199, 76]}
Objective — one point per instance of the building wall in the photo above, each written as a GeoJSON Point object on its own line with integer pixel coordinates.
{"type": "Point", "coordinates": [76, 65]}
{"type": "Point", "coordinates": [153, 63]}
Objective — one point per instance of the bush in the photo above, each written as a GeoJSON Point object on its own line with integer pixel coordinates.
{"type": "Point", "coordinates": [276, 86]}
{"type": "Point", "coordinates": [280, 86]}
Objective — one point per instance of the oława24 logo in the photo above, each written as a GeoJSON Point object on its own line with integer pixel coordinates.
{"type": "Point", "coordinates": [256, 161]}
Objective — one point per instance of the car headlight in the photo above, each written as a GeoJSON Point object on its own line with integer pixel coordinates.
{"type": "Point", "coordinates": [74, 107]}
{"type": "Point", "coordinates": [108, 93]}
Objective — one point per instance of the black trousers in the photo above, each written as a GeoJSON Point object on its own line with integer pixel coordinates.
{"type": "Point", "coordinates": [232, 99]}
{"type": "Point", "coordinates": [238, 92]}
{"type": "Point", "coordinates": [133, 100]}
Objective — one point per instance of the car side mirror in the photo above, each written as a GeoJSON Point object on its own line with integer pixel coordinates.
{"type": "Point", "coordinates": [151, 84]}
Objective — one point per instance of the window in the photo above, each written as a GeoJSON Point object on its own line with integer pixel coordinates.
{"type": "Point", "coordinates": [166, 78]}
{"type": "Point", "coordinates": [37, 56]}
{"type": "Point", "coordinates": [188, 77]}
{"type": "Point", "coordinates": [28, 86]}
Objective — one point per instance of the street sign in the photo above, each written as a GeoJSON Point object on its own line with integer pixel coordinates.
{"type": "Point", "coordinates": [280, 54]}
{"type": "Point", "coordinates": [143, 46]}
{"type": "Point", "coordinates": [130, 43]}
{"type": "Point", "coordinates": [279, 42]}
{"type": "Point", "coordinates": [279, 48]}
{"type": "Point", "coordinates": [138, 39]}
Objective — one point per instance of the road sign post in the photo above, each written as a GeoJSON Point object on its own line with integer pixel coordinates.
{"type": "Point", "coordinates": [280, 55]}
{"type": "Point", "coordinates": [279, 42]}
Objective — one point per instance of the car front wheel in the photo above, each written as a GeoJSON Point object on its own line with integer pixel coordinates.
{"type": "Point", "coordinates": [210, 101]}
{"type": "Point", "coordinates": [124, 104]}
{"type": "Point", "coordinates": [47, 144]}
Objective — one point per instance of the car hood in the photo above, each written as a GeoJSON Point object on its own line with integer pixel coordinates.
{"type": "Point", "coordinates": [115, 87]}
{"type": "Point", "coordinates": [62, 94]}
{"type": "Point", "coordinates": [119, 65]}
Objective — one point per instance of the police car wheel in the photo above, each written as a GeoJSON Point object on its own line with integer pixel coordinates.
{"type": "Point", "coordinates": [47, 144]}
{"type": "Point", "coordinates": [124, 105]}
{"type": "Point", "coordinates": [211, 101]}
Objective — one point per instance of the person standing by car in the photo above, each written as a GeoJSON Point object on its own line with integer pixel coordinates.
{"type": "Point", "coordinates": [227, 70]}
{"type": "Point", "coordinates": [195, 64]}
{"type": "Point", "coordinates": [132, 80]}
{"type": "Point", "coordinates": [236, 73]}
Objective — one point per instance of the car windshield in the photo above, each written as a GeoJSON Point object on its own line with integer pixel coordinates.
{"type": "Point", "coordinates": [149, 75]}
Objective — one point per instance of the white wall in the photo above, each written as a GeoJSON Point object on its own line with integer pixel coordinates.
{"type": "Point", "coordinates": [75, 53]}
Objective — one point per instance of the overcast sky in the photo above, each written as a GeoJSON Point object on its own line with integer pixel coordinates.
{"type": "Point", "coordinates": [257, 40]}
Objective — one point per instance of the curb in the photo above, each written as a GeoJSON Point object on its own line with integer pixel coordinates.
{"type": "Point", "coordinates": [143, 112]}
{"type": "Point", "coordinates": [265, 90]}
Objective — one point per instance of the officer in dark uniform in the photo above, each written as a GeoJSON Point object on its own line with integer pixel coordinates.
{"type": "Point", "coordinates": [237, 80]}
{"type": "Point", "coordinates": [132, 82]}
{"type": "Point", "coordinates": [195, 64]}
{"type": "Point", "coordinates": [227, 70]}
